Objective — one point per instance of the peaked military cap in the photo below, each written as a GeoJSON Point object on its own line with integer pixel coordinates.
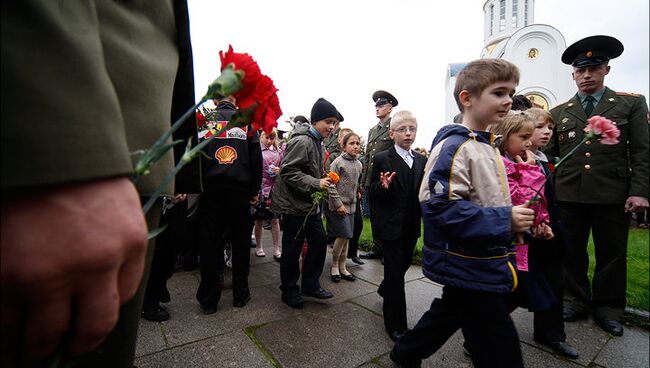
{"type": "Point", "coordinates": [592, 50]}
{"type": "Point", "coordinates": [382, 97]}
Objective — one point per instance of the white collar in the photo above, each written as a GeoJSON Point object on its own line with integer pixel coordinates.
{"type": "Point", "coordinates": [402, 152]}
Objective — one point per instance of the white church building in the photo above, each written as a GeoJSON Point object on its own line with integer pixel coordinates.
{"type": "Point", "coordinates": [510, 34]}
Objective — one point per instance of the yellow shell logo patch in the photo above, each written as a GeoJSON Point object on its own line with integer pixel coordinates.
{"type": "Point", "coordinates": [589, 53]}
{"type": "Point", "coordinates": [226, 155]}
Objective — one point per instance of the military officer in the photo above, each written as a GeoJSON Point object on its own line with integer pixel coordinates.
{"type": "Point", "coordinates": [378, 140]}
{"type": "Point", "coordinates": [331, 143]}
{"type": "Point", "coordinates": [600, 185]}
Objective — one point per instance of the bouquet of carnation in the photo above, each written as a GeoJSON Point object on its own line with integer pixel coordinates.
{"type": "Point", "coordinates": [257, 102]}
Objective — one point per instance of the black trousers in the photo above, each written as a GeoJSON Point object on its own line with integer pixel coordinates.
{"type": "Point", "coordinates": [292, 239]}
{"type": "Point", "coordinates": [484, 319]}
{"type": "Point", "coordinates": [353, 248]}
{"type": "Point", "coordinates": [609, 226]}
{"type": "Point", "coordinates": [223, 216]}
{"type": "Point", "coordinates": [549, 324]}
{"type": "Point", "coordinates": [398, 255]}
{"type": "Point", "coordinates": [167, 246]}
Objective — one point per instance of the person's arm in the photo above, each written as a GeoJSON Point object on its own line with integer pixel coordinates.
{"type": "Point", "coordinates": [256, 163]}
{"type": "Point", "coordinates": [460, 219]}
{"type": "Point", "coordinates": [294, 161]}
{"type": "Point", "coordinates": [639, 161]}
{"type": "Point", "coordinates": [334, 198]}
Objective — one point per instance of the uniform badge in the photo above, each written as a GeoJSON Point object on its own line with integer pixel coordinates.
{"type": "Point", "coordinates": [589, 53]}
{"type": "Point", "coordinates": [565, 120]}
{"type": "Point", "coordinates": [561, 137]}
{"type": "Point", "coordinates": [571, 134]}
{"type": "Point", "coordinates": [611, 100]}
{"type": "Point", "coordinates": [226, 155]}
{"type": "Point", "coordinates": [570, 104]}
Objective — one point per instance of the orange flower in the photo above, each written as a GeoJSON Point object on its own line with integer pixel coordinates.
{"type": "Point", "coordinates": [334, 176]}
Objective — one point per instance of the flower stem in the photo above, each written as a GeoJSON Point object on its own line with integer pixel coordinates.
{"type": "Point", "coordinates": [187, 157]}
{"type": "Point", "coordinates": [305, 220]}
{"type": "Point", "coordinates": [538, 190]}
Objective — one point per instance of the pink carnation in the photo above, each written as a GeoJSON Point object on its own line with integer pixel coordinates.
{"type": "Point", "coordinates": [603, 129]}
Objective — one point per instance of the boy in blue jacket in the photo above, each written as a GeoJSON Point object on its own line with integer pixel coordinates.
{"type": "Point", "coordinates": [469, 223]}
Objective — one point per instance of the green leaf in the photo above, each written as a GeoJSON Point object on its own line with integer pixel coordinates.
{"type": "Point", "coordinates": [226, 84]}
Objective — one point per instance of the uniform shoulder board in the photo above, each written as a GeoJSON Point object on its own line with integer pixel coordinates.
{"type": "Point", "coordinates": [628, 94]}
{"type": "Point", "coordinates": [560, 105]}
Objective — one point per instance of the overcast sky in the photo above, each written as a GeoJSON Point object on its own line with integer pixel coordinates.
{"type": "Point", "coordinates": [344, 50]}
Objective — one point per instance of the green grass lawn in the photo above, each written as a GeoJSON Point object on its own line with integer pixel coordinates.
{"type": "Point", "coordinates": [637, 263]}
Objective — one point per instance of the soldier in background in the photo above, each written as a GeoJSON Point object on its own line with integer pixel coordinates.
{"type": "Point", "coordinates": [378, 141]}
{"type": "Point", "coordinates": [601, 185]}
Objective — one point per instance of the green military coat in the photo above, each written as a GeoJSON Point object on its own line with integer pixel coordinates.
{"type": "Point", "coordinates": [331, 143]}
{"type": "Point", "coordinates": [378, 140]}
{"type": "Point", "coordinates": [596, 173]}
{"type": "Point", "coordinates": [85, 84]}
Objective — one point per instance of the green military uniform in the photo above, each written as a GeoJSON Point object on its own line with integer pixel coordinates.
{"type": "Point", "coordinates": [331, 143]}
{"type": "Point", "coordinates": [378, 140]}
{"type": "Point", "coordinates": [84, 84]}
{"type": "Point", "coordinates": [593, 185]}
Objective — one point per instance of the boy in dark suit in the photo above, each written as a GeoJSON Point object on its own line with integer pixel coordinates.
{"type": "Point", "coordinates": [395, 215]}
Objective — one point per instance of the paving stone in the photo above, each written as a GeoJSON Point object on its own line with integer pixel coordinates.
{"type": "Point", "coordinates": [188, 323]}
{"type": "Point", "coordinates": [345, 331]}
{"type": "Point", "coordinates": [629, 350]}
{"type": "Point", "coordinates": [234, 349]}
{"type": "Point", "coordinates": [373, 272]}
{"type": "Point", "coordinates": [150, 338]}
{"type": "Point", "coordinates": [584, 335]}
{"type": "Point", "coordinates": [343, 335]}
{"type": "Point", "coordinates": [535, 357]}
{"type": "Point", "coordinates": [419, 295]}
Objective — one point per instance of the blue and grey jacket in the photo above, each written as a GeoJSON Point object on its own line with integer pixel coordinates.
{"type": "Point", "coordinates": [466, 210]}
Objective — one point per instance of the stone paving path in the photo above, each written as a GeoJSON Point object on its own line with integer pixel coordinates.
{"type": "Point", "coordinates": [345, 331]}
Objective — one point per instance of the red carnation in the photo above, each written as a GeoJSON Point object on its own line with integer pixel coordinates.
{"type": "Point", "coordinates": [551, 167]}
{"type": "Point", "coordinates": [257, 89]}
{"type": "Point", "coordinates": [200, 119]}
{"type": "Point", "coordinates": [268, 110]}
{"type": "Point", "coordinates": [252, 75]}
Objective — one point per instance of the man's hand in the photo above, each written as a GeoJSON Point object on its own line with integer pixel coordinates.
{"type": "Point", "coordinates": [325, 182]}
{"type": "Point", "coordinates": [341, 211]}
{"type": "Point", "coordinates": [386, 178]}
{"type": "Point", "coordinates": [636, 204]}
{"type": "Point", "coordinates": [71, 256]}
{"type": "Point", "coordinates": [522, 218]}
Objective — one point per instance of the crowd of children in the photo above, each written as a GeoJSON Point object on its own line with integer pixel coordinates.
{"type": "Point", "coordinates": [492, 235]}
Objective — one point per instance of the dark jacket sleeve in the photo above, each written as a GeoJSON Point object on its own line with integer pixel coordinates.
{"type": "Point", "coordinates": [294, 164]}
{"type": "Point", "coordinates": [256, 162]}
{"type": "Point", "coordinates": [639, 148]}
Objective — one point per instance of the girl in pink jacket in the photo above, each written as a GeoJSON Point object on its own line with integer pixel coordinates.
{"type": "Point", "coordinates": [525, 177]}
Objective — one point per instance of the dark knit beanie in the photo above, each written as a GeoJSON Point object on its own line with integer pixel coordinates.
{"type": "Point", "coordinates": [323, 109]}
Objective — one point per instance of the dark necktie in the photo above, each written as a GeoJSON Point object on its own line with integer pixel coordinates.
{"type": "Point", "coordinates": [589, 107]}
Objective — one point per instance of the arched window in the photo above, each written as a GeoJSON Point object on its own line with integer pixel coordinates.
{"type": "Point", "coordinates": [502, 15]}
{"type": "Point", "coordinates": [491, 19]}
{"type": "Point", "coordinates": [515, 10]}
{"type": "Point", "coordinates": [526, 13]}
